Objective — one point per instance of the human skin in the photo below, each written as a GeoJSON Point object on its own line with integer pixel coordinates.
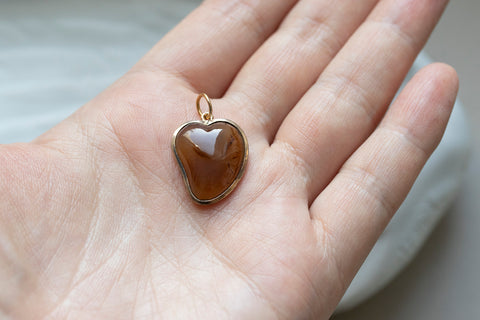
{"type": "Point", "coordinates": [95, 220]}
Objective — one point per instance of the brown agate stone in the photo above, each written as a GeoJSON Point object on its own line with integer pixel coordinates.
{"type": "Point", "coordinates": [212, 158]}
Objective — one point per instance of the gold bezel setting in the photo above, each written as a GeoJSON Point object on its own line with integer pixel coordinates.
{"type": "Point", "coordinates": [235, 182]}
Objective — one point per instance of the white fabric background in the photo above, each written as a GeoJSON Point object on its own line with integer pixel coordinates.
{"type": "Point", "coordinates": [56, 55]}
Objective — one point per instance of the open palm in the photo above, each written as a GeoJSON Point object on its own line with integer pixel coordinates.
{"type": "Point", "coordinates": [95, 220]}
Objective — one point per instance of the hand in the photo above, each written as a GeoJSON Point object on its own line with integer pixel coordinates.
{"type": "Point", "coordinates": [96, 223]}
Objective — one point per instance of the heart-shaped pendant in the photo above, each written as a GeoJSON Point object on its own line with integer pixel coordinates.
{"type": "Point", "coordinates": [212, 155]}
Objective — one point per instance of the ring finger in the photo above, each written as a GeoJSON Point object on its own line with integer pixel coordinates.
{"type": "Point", "coordinates": [289, 62]}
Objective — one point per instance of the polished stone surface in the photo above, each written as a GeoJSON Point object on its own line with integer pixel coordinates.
{"type": "Point", "coordinates": [212, 157]}
{"type": "Point", "coordinates": [442, 283]}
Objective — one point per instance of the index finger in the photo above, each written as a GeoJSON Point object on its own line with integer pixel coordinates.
{"type": "Point", "coordinates": [357, 205]}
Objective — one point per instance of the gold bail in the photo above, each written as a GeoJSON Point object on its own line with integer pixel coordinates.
{"type": "Point", "coordinates": [206, 116]}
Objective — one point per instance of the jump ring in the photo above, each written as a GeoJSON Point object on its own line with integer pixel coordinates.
{"type": "Point", "coordinates": [205, 115]}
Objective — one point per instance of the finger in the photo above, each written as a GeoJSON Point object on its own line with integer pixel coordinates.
{"type": "Point", "coordinates": [352, 212]}
{"type": "Point", "coordinates": [208, 48]}
{"type": "Point", "coordinates": [344, 106]}
{"type": "Point", "coordinates": [290, 61]}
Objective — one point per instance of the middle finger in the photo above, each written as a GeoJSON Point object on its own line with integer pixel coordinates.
{"type": "Point", "coordinates": [341, 110]}
{"type": "Point", "coordinates": [289, 62]}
